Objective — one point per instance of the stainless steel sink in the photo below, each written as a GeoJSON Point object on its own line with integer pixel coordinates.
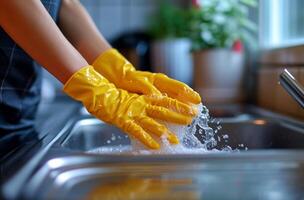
{"type": "Point", "coordinates": [90, 133]}
{"type": "Point", "coordinates": [271, 169]}
{"type": "Point", "coordinates": [261, 134]}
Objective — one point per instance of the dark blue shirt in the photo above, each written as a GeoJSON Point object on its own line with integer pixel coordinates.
{"type": "Point", "coordinates": [20, 82]}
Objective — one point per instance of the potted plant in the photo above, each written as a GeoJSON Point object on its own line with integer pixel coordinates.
{"type": "Point", "coordinates": [170, 50]}
{"type": "Point", "coordinates": [218, 30]}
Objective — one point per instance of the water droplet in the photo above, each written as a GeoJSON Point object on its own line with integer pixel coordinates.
{"type": "Point", "coordinates": [113, 138]}
{"type": "Point", "coordinates": [225, 136]}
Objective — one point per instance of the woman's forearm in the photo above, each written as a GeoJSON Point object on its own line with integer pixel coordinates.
{"type": "Point", "coordinates": [32, 28]}
{"type": "Point", "coordinates": [80, 30]}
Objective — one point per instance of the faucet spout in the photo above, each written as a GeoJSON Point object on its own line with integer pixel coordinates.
{"type": "Point", "coordinates": [292, 86]}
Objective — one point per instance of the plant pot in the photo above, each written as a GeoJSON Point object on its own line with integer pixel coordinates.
{"type": "Point", "coordinates": [173, 58]}
{"type": "Point", "coordinates": [218, 75]}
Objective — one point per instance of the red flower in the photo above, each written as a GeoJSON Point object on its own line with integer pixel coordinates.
{"type": "Point", "coordinates": [237, 46]}
{"type": "Point", "coordinates": [196, 3]}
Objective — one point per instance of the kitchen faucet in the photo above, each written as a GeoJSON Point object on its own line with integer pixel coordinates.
{"type": "Point", "coordinates": [292, 86]}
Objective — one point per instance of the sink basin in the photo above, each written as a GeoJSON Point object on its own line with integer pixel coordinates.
{"type": "Point", "coordinates": [261, 134]}
{"type": "Point", "coordinates": [90, 133]}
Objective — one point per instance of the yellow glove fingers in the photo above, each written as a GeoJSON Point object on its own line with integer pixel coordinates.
{"type": "Point", "coordinates": [167, 115]}
{"type": "Point", "coordinates": [140, 85]}
{"type": "Point", "coordinates": [176, 89]}
{"type": "Point", "coordinates": [174, 105]}
{"type": "Point", "coordinates": [139, 133]}
{"type": "Point", "coordinates": [151, 126]}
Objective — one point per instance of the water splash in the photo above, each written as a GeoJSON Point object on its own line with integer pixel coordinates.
{"type": "Point", "coordinates": [196, 138]}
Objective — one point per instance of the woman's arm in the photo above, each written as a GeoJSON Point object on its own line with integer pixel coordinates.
{"type": "Point", "coordinates": [80, 30]}
{"type": "Point", "coordinates": [31, 27]}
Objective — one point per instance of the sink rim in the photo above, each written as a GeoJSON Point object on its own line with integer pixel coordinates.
{"type": "Point", "coordinates": [255, 162]}
{"type": "Point", "coordinates": [263, 155]}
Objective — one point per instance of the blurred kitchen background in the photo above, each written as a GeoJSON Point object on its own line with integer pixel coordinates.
{"type": "Point", "coordinates": [230, 51]}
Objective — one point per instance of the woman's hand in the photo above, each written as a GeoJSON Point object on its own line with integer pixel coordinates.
{"type": "Point", "coordinates": [112, 65]}
{"type": "Point", "coordinates": [135, 114]}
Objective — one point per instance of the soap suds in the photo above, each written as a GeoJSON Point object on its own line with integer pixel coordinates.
{"type": "Point", "coordinates": [196, 138]}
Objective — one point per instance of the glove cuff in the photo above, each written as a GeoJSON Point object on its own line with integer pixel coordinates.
{"type": "Point", "coordinates": [108, 56]}
{"type": "Point", "coordinates": [83, 80]}
{"type": "Point", "coordinates": [112, 65]}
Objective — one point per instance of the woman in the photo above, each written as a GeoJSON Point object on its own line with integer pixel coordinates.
{"type": "Point", "coordinates": [92, 72]}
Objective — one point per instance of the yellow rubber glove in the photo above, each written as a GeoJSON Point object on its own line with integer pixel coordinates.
{"type": "Point", "coordinates": [132, 113]}
{"type": "Point", "coordinates": [118, 70]}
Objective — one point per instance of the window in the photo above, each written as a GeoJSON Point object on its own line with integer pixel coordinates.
{"type": "Point", "coordinates": [281, 23]}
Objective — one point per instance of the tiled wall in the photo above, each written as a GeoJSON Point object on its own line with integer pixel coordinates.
{"type": "Point", "coordinates": [114, 17]}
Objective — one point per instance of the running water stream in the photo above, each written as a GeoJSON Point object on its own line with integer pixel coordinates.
{"type": "Point", "coordinates": [196, 138]}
